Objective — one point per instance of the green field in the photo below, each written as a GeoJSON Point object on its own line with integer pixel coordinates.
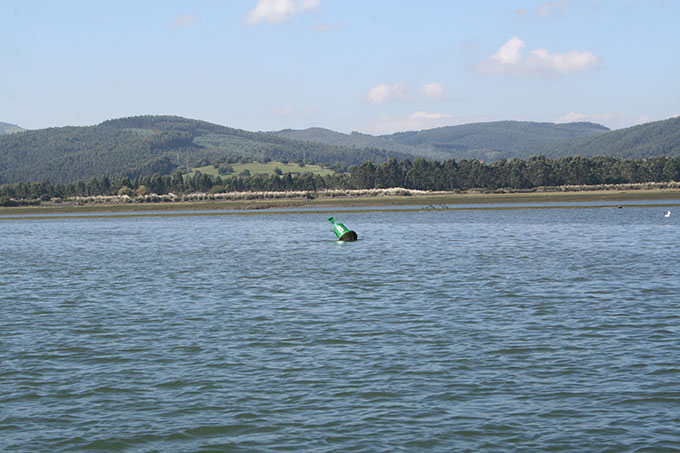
{"type": "Point", "coordinates": [268, 169]}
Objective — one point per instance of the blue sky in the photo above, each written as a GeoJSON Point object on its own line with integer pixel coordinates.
{"type": "Point", "coordinates": [374, 66]}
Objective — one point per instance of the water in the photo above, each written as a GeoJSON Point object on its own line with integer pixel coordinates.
{"type": "Point", "coordinates": [552, 330]}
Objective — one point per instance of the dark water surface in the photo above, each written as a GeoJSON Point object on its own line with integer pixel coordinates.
{"type": "Point", "coordinates": [553, 330]}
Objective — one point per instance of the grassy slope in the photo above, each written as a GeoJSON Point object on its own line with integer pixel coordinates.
{"type": "Point", "coordinates": [268, 169]}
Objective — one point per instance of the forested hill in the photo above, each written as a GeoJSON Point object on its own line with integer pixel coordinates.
{"type": "Point", "coordinates": [659, 138]}
{"type": "Point", "coordinates": [509, 139]}
{"type": "Point", "coordinates": [495, 140]}
{"type": "Point", "coordinates": [7, 128]}
{"type": "Point", "coordinates": [145, 145]}
{"type": "Point", "coordinates": [487, 141]}
{"type": "Point", "coordinates": [353, 140]}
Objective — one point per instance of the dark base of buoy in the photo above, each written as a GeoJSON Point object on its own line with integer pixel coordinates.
{"type": "Point", "coordinates": [350, 236]}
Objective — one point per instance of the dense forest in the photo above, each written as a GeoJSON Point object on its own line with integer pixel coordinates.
{"type": "Point", "coordinates": [510, 139]}
{"type": "Point", "coordinates": [659, 138]}
{"type": "Point", "coordinates": [487, 141]}
{"type": "Point", "coordinates": [353, 140]}
{"type": "Point", "coordinates": [495, 140]}
{"type": "Point", "coordinates": [146, 145]}
{"type": "Point", "coordinates": [449, 175]}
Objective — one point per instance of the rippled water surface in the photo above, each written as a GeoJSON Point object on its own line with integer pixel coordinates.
{"type": "Point", "coordinates": [439, 330]}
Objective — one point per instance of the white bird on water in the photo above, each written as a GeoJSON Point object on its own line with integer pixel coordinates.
{"type": "Point", "coordinates": [668, 214]}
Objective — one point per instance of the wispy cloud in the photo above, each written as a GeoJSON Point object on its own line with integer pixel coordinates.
{"type": "Point", "coordinates": [511, 59]}
{"type": "Point", "coordinates": [611, 120]}
{"type": "Point", "coordinates": [520, 13]}
{"type": "Point", "coordinates": [281, 111]}
{"type": "Point", "coordinates": [383, 93]}
{"type": "Point", "coordinates": [277, 11]}
{"type": "Point", "coordinates": [184, 21]}
{"type": "Point", "coordinates": [546, 10]}
{"type": "Point", "coordinates": [429, 116]}
{"type": "Point", "coordinates": [553, 9]}
{"type": "Point", "coordinates": [433, 90]}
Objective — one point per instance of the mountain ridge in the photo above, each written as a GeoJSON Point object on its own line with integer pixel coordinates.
{"type": "Point", "coordinates": [654, 139]}
{"type": "Point", "coordinates": [144, 145]}
{"type": "Point", "coordinates": [487, 141]}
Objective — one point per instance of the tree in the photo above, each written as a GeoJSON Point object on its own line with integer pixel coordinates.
{"type": "Point", "coordinates": [177, 182]}
{"type": "Point", "coordinates": [157, 185]}
{"type": "Point", "coordinates": [389, 174]}
{"type": "Point", "coordinates": [363, 176]}
{"type": "Point", "coordinates": [125, 190]}
{"type": "Point", "coordinates": [225, 169]}
{"type": "Point", "coordinates": [539, 171]}
{"type": "Point", "coordinates": [143, 190]}
{"type": "Point", "coordinates": [671, 170]}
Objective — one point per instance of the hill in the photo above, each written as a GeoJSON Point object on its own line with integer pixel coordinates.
{"type": "Point", "coordinates": [145, 145]}
{"type": "Point", "coordinates": [495, 140]}
{"type": "Point", "coordinates": [7, 128]}
{"type": "Point", "coordinates": [353, 140]}
{"type": "Point", "coordinates": [509, 139]}
{"type": "Point", "coordinates": [487, 141]}
{"type": "Point", "coordinates": [659, 138]}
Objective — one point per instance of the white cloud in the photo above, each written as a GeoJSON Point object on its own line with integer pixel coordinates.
{"type": "Point", "coordinates": [553, 8]}
{"type": "Point", "coordinates": [512, 59]}
{"type": "Point", "coordinates": [282, 111]}
{"type": "Point", "coordinates": [572, 117]}
{"type": "Point", "coordinates": [382, 93]}
{"type": "Point", "coordinates": [429, 116]}
{"type": "Point", "coordinates": [611, 120]}
{"type": "Point", "coordinates": [184, 21]}
{"type": "Point", "coordinates": [546, 10]}
{"type": "Point", "coordinates": [520, 13]}
{"type": "Point", "coordinates": [277, 11]}
{"type": "Point", "coordinates": [433, 90]}
{"type": "Point", "coordinates": [510, 53]}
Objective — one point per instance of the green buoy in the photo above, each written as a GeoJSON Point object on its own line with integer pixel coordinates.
{"type": "Point", "coordinates": [342, 232]}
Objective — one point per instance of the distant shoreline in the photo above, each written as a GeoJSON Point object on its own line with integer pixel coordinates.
{"type": "Point", "coordinates": [428, 200]}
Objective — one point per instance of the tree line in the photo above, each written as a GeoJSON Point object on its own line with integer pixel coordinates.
{"type": "Point", "coordinates": [421, 174]}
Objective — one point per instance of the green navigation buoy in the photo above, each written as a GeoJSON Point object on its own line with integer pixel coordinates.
{"type": "Point", "coordinates": [342, 232]}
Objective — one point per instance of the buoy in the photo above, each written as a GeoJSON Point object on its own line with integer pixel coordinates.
{"type": "Point", "coordinates": [342, 232]}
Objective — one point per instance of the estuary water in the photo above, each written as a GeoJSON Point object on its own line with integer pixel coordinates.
{"type": "Point", "coordinates": [472, 330]}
